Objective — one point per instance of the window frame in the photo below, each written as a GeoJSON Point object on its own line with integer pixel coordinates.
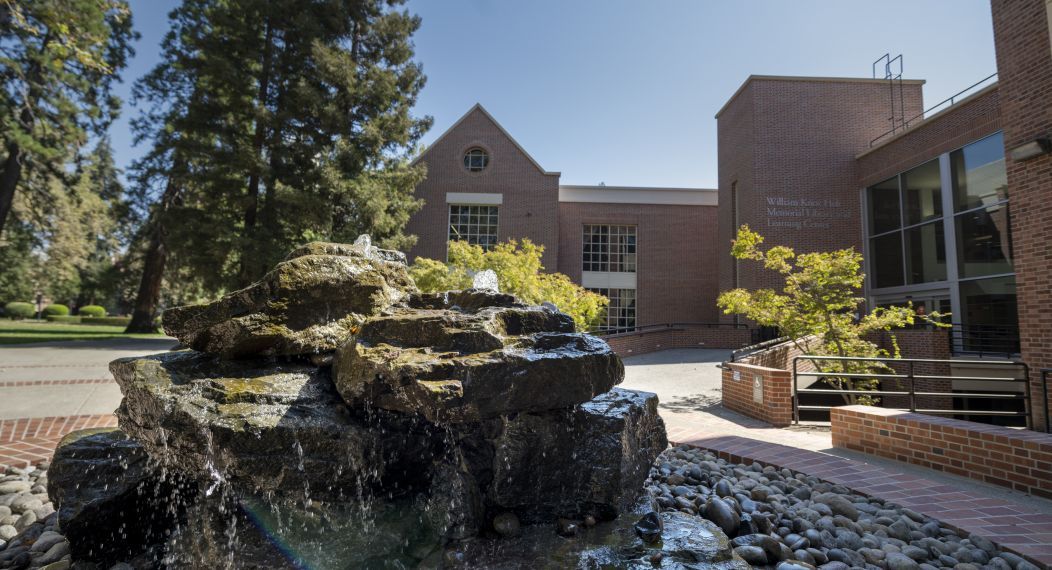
{"type": "Point", "coordinates": [492, 211]}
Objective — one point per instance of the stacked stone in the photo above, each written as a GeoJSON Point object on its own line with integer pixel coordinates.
{"type": "Point", "coordinates": [333, 379]}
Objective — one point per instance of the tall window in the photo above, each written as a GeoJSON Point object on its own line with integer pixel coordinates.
{"type": "Point", "coordinates": [610, 248]}
{"type": "Point", "coordinates": [474, 224]}
{"type": "Point", "coordinates": [621, 312]}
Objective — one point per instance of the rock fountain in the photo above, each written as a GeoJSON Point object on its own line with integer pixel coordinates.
{"type": "Point", "coordinates": [331, 416]}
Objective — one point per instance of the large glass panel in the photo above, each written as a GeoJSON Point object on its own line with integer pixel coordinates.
{"type": "Point", "coordinates": [990, 304]}
{"type": "Point", "coordinates": [921, 190]}
{"type": "Point", "coordinates": [925, 253]}
{"type": "Point", "coordinates": [978, 172]}
{"type": "Point", "coordinates": [886, 260]}
{"type": "Point", "coordinates": [984, 244]}
{"type": "Point", "coordinates": [884, 206]}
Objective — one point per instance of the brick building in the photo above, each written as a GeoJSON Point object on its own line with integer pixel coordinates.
{"type": "Point", "coordinates": [651, 251]}
{"type": "Point", "coordinates": [949, 204]}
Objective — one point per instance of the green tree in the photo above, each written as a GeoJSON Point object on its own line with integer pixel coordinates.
{"type": "Point", "coordinates": [274, 122]}
{"type": "Point", "coordinates": [820, 303]}
{"type": "Point", "coordinates": [519, 272]}
{"type": "Point", "coordinates": [58, 61]}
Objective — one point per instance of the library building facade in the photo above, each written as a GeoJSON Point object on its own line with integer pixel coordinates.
{"type": "Point", "coordinates": [950, 204]}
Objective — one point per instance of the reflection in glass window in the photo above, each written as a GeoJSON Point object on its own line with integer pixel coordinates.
{"type": "Point", "coordinates": [621, 312]}
{"type": "Point", "coordinates": [921, 191]}
{"type": "Point", "coordinates": [989, 301]}
{"type": "Point", "coordinates": [884, 206]}
{"type": "Point", "coordinates": [886, 260]}
{"type": "Point", "coordinates": [925, 253]}
{"type": "Point", "coordinates": [474, 224]}
{"type": "Point", "coordinates": [978, 172]}
{"type": "Point", "coordinates": [609, 248]}
{"type": "Point", "coordinates": [984, 244]}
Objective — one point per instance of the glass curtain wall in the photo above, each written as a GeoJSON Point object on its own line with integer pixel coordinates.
{"type": "Point", "coordinates": [941, 230]}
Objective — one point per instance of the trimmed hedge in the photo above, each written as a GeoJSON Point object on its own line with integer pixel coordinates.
{"type": "Point", "coordinates": [92, 311]}
{"type": "Point", "coordinates": [17, 310]}
{"type": "Point", "coordinates": [63, 319]}
{"type": "Point", "coordinates": [112, 321]}
{"type": "Point", "coordinates": [56, 310]}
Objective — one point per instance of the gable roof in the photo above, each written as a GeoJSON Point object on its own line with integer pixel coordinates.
{"type": "Point", "coordinates": [478, 107]}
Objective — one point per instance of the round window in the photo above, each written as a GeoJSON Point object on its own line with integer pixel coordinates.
{"type": "Point", "coordinates": [476, 160]}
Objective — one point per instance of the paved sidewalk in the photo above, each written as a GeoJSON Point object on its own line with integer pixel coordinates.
{"type": "Point", "coordinates": [50, 389]}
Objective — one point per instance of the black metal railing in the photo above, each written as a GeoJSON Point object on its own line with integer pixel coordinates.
{"type": "Point", "coordinates": [1044, 397]}
{"type": "Point", "coordinates": [666, 326]}
{"type": "Point", "coordinates": [1000, 341]}
{"type": "Point", "coordinates": [951, 100]}
{"type": "Point", "coordinates": [891, 373]}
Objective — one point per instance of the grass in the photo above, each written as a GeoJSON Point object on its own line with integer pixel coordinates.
{"type": "Point", "coordinates": [24, 332]}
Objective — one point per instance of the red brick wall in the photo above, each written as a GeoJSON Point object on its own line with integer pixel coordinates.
{"type": "Point", "coordinates": [796, 139]}
{"type": "Point", "coordinates": [1024, 66]}
{"type": "Point", "coordinates": [531, 197]}
{"type": "Point", "coordinates": [629, 344]}
{"type": "Point", "coordinates": [675, 256]}
{"type": "Point", "coordinates": [971, 119]}
{"type": "Point", "coordinates": [738, 394]}
{"type": "Point", "coordinates": [1017, 459]}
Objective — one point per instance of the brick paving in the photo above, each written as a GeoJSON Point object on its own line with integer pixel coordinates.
{"type": "Point", "coordinates": [29, 441]}
{"type": "Point", "coordinates": [18, 383]}
{"type": "Point", "coordinates": [1014, 527]}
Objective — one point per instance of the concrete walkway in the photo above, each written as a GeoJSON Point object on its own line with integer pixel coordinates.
{"type": "Point", "coordinates": [65, 378]}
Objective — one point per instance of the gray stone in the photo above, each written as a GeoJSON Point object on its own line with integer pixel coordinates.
{"type": "Point", "coordinates": [899, 561]}
{"type": "Point", "coordinates": [835, 565]}
{"type": "Point", "coordinates": [7, 532]}
{"type": "Point", "coordinates": [983, 543]}
{"type": "Point", "coordinates": [464, 362]}
{"type": "Point", "coordinates": [719, 512]}
{"type": "Point", "coordinates": [838, 504]}
{"type": "Point", "coordinates": [15, 486]}
{"type": "Point", "coordinates": [916, 553]}
{"type": "Point", "coordinates": [46, 541]}
{"type": "Point", "coordinates": [506, 524]}
{"type": "Point", "coordinates": [754, 555]}
{"type": "Point", "coordinates": [310, 303]}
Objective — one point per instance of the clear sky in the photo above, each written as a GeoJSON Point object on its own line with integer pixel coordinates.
{"type": "Point", "coordinates": [625, 92]}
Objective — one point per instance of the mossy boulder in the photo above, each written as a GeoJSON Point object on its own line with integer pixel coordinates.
{"type": "Point", "coordinates": [310, 303]}
{"type": "Point", "coordinates": [467, 356]}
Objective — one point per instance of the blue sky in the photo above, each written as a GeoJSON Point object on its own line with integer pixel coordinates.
{"type": "Point", "coordinates": [625, 92]}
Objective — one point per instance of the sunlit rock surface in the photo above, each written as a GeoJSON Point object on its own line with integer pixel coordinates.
{"type": "Point", "coordinates": [470, 356]}
{"type": "Point", "coordinates": [310, 303]}
{"type": "Point", "coordinates": [269, 426]}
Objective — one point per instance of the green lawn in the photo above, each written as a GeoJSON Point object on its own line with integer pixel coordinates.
{"type": "Point", "coordinates": [22, 332]}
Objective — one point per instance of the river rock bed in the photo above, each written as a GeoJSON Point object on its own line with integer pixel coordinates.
{"type": "Point", "coordinates": [786, 520]}
{"type": "Point", "coordinates": [28, 537]}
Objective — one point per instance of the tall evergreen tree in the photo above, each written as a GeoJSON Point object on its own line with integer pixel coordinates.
{"type": "Point", "coordinates": [280, 121]}
{"type": "Point", "coordinates": [58, 61]}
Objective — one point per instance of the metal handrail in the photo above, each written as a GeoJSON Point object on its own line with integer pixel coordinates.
{"type": "Point", "coordinates": [984, 340]}
{"type": "Point", "coordinates": [1044, 397]}
{"type": "Point", "coordinates": [951, 100]}
{"type": "Point", "coordinates": [910, 378]}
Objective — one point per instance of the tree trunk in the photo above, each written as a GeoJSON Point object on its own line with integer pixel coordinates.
{"type": "Point", "coordinates": [8, 181]}
{"type": "Point", "coordinates": [247, 269]}
{"type": "Point", "coordinates": [149, 294]}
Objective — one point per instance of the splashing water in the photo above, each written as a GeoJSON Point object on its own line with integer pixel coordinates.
{"type": "Point", "coordinates": [364, 241]}
{"type": "Point", "coordinates": [487, 280]}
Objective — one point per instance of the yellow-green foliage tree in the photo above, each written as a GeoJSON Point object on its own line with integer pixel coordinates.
{"type": "Point", "coordinates": [820, 300]}
{"type": "Point", "coordinates": [519, 272]}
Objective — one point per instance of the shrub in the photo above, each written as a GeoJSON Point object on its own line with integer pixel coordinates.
{"type": "Point", "coordinates": [63, 319]}
{"type": "Point", "coordinates": [92, 311]}
{"type": "Point", "coordinates": [17, 310]}
{"type": "Point", "coordinates": [56, 310]}
{"type": "Point", "coordinates": [112, 321]}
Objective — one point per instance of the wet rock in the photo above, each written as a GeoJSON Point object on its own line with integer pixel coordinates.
{"type": "Point", "coordinates": [649, 527]}
{"type": "Point", "coordinates": [719, 512]}
{"type": "Point", "coordinates": [310, 303]}
{"type": "Point", "coordinates": [566, 527]}
{"type": "Point", "coordinates": [111, 503]}
{"type": "Point", "coordinates": [754, 555]}
{"type": "Point", "coordinates": [898, 561]}
{"type": "Point", "coordinates": [506, 524]}
{"type": "Point", "coordinates": [455, 364]}
{"type": "Point", "coordinates": [270, 426]}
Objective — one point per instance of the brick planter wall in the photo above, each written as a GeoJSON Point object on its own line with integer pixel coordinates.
{"type": "Point", "coordinates": [630, 344]}
{"type": "Point", "coordinates": [1017, 459]}
{"type": "Point", "coordinates": [771, 402]}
